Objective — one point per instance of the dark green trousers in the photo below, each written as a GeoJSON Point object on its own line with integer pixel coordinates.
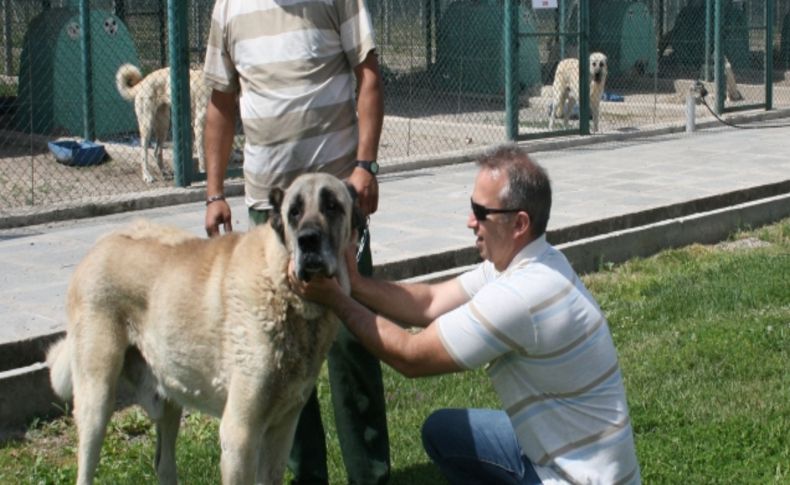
{"type": "Point", "coordinates": [358, 403]}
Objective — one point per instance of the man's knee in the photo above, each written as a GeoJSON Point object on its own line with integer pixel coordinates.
{"type": "Point", "coordinates": [434, 432]}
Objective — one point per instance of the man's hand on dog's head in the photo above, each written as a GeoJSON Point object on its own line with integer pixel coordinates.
{"type": "Point", "coordinates": [218, 212]}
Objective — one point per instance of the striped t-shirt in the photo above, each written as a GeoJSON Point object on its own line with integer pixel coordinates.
{"type": "Point", "coordinates": [552, 362]}
{"type": "Point", "coordinates": [292, 63]}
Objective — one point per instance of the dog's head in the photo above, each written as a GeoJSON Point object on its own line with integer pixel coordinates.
{"type": "Point", "coordinates": [598, 67]}
{"type": "Point", "coordinates": [316, 219]}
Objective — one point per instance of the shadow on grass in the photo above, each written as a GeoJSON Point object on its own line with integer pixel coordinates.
{"type": "Point", "coordinates": [425, 473]}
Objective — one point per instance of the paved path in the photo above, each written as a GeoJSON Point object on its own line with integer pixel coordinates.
{"type": "Point", "coordinates": [424, 211]}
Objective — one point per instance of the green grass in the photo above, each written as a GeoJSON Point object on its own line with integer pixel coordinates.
{"type": "Point", "coordinates": [703, 335]}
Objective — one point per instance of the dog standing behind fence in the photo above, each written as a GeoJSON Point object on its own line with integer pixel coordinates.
{"type": "Point", "coordinates": [566, 88]}
{"type": "Point", "coordinates": [151, 97]}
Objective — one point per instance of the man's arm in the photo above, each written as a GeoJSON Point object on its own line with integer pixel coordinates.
{"type": "Point", "coordinates": [218, 139]}
{"type": "Point", "coordinates": [411, 354]}
{"type": "Point", "coordinates": [370, 110]}
{"type": "Point", "coordinates": [411, 304]}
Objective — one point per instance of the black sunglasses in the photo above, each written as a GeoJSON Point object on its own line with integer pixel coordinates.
{"type": "Point", "coordinates": [481, 212]}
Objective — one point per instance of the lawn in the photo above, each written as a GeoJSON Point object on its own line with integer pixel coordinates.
{"type": "Point", "coordinates": [703, 335]}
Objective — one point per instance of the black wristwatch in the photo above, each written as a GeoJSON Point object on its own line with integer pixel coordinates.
{"type": "Point", "coordinates": [371, 166]}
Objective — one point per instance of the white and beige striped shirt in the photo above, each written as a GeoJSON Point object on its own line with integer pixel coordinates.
{"type": "Point", "coordinates": [292, 63]}
{"type": "Point", "coordinates": [552, 361]}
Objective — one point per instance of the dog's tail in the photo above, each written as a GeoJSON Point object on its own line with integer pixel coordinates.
{"type": "Point", "coordinates": [127, 80]}
{"type": "Point", "coordinates": [59, 363]}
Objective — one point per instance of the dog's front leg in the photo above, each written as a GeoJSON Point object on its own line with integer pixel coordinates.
{"type": "Point", "coordinates": [240, 432]}
{"type": "Point", "coordinates": [567, 110]}
{"type": "Point", "coordinates": [166, 434]}
{"type": "Point", "coordinates": [277, 440]}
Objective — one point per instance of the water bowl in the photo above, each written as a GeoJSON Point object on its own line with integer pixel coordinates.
{"type": "Point", "coordinates": [77, 153]}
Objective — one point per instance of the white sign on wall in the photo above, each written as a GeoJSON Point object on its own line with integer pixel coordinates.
{"type": "Point", "coordinates": [536, 4]}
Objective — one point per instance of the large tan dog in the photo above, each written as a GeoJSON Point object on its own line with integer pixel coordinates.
{"type": "Point", "coordinates": [166, 319]}
{"type": "Point", "coordinates": [566, 88]}
{"type": "Point", "coordinates": [151, 97]}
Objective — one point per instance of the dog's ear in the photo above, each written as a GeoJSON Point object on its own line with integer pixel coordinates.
{"type": "Point", "coordinates": [357, 217]}
{"type": "Point", "coordinates": [276, 196]}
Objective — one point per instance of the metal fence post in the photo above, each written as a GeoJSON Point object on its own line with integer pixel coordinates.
{"type": "Point", "coordinates": [178, 47]}
{"type": "Point", "coordinates": [510, 32]}
{"type": "Point", "coordinates": [7, 39]}
{"type": "Point", "coordinates": [562, 28]}
{"type": "Point", "coordinates": [718, 54]}
{"type": "Point", "coordinates": [87, 71]}
{"type": "Point", "coordinates": [706, 74]}
{"type": "Point", "coordinates": [584, 67]}
{"type": "Point", "coordinates": [769, 54]}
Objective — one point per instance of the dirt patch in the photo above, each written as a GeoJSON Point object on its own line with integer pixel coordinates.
{"type": "Point", "coordinates": [743, 244]}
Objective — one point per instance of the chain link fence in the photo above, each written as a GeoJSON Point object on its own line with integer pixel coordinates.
{"type": "Point", "coordinates": [444, 65]}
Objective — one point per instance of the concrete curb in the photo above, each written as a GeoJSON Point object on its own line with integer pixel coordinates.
{"type": "Point", "coordinates": [446, 261]}
{"type": "Point", "coordinates": [588, 255]}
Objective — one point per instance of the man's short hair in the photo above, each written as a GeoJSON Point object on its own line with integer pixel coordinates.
{"type": "Point", "coordinates": [528, 186]}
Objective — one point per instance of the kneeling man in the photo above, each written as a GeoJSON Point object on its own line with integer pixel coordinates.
{"type": "Point", "coordinates": [525, 315]}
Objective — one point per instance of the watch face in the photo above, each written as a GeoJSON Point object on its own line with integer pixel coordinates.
{"type": "Point", "coordinates": [372, 166]}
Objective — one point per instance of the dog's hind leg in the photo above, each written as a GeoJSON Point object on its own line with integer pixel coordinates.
{"type": "Point", "coordinates": [166, 434]}
{"type": "Point", "coordinates": [146, 120]}
{"type": "Point", "coordinates": [98, 360]}
{"type": "Point", "coordinates": [161, 127]}
{"type": "Point", "coordinates": [200, 124]}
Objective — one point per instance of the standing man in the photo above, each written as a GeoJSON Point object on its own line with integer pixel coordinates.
{"type": "Point", "coordinates": [293, 67]}
{"type": "Point", "coordinates": [526, 316]}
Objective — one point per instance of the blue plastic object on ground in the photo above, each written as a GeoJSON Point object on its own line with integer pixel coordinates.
{"type": "Point", "coordinates": [77, 153]}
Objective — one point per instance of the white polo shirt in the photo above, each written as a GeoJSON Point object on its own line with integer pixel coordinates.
{"type": "Point", "coordinates": [552, 362]}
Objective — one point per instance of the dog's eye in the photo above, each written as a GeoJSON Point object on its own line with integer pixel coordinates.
{"type": "Point", "coordinates": [294, 212]}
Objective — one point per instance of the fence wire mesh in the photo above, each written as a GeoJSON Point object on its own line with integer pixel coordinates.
{"type": "Point", "coordinates": [443, 63]}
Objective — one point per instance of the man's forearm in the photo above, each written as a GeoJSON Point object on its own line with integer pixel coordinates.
{"type": "Point", "coordinates": [218, 138]}
{"type": "Point", "coordinates": [370, 108]}
{"type": "Point", "coordinates": [383, 338]}
{"type": "Point", "coordinates": [406, 305]}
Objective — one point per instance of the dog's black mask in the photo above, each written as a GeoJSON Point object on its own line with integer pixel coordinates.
{"type": "Point", "coordinates": [276, 196]}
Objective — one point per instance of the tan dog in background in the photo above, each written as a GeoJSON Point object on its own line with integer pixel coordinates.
{"type": "Point", "coordinates": [566, 88]}
{"type": "Point", "coordinates": [151, 97]}
{"type": "Point", "coordinates": [164, 319]}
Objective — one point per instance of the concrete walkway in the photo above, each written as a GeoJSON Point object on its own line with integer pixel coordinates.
{"type": "Point", "coordinates": [612, 201]}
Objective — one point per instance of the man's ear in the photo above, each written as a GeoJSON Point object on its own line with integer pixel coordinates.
{"type": "Point", "coordinates": [275, 219]}
{"type": "Point", "coordinates": [357, 217]}
{"type": "Point", "coordinates": [523, 224]}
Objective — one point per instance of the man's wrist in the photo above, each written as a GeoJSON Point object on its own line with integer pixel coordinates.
{"type": "Point", "coordinates": [214, 198]}
{"type": "Point", "coordinates": [371, 166]}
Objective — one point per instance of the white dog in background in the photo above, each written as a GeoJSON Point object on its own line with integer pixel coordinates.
{"type": "Point", "coordinates": [151, 97]}
{"type": "Point", "coordinates": [566, 88]}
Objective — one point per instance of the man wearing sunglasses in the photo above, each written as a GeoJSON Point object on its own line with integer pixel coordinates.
{"type": "Point", "coordinates": [526, 316]}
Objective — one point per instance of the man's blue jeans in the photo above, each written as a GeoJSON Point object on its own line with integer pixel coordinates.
{"type": "Point", "coordinates": [476, 446]}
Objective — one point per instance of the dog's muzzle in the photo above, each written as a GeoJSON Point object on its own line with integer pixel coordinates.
{"type": "Point", "coordinates": [310, 256]}
{"type": "Point", "coordinates": [597, 76]}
